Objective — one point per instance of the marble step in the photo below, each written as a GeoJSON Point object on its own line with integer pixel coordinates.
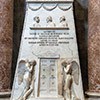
{"type": "Point", "coordinates": [46, 98]}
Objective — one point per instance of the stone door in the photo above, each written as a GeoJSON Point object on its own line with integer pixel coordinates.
{"type": "Point", "coordinates": [48, 78]}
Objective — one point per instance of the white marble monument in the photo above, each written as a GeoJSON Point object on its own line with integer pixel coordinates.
{"type": "Point", "coordinates": [48, 65]}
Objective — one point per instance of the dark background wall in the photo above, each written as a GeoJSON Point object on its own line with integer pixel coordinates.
{"type": "Point", "coordinates": [18, 20]}
{"type": "Point", "coordinates": [81, 15]}
{"type": "Point", "coordinates": [80, 12]}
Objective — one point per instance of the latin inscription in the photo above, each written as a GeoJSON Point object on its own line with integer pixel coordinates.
{"type": "Point", "coordinates": [49, 37]}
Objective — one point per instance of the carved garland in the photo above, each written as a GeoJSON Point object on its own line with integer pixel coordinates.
{"type": "Point", "coordinates": [51, 6]}
{"type": "Point", "coordinates": [33, 8]}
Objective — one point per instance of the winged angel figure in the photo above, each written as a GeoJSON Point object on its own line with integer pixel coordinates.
{"type": "Point", "coordinates": [26, 77]}
{"type": "Point", "coordinates": [71, 74]}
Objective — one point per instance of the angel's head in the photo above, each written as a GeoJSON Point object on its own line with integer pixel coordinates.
{"type": "Point", "coordinates": [27, 63]}
{"type": "Point", "coordinates": [33, 63]}
{"type": "Point", "coordinates": [30, 63]}
{"type": "Point", "coordinates": [66, 63]}
{"type": "Point", "coordinates": [67, 67]}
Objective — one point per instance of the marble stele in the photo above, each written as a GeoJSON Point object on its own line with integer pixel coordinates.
{"type": "Point", "coordinates": [48, 65]}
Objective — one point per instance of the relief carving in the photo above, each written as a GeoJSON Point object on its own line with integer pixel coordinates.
{"type": "Point", "coordinates": [27, 77]}
{"type": "Point", "coordinates": [63, 22]}
{"type": "Point", "coordinates": [37, 21]}
{"type": "Point", "coordinates": [48, 41]}
{"type": "Point", "coordinates": [50, 22]}
{"type": "Point", "coordinates": [49, 6]}
{"type": "Point", "coordinates": [64, 6]}
{"type": "Point", "coordinates": [71, 74]}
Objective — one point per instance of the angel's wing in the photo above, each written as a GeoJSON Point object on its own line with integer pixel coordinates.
{"type": "Point", "coordinates": [21, 71]}
{"type": "Point", "coordinates": [75, 72]}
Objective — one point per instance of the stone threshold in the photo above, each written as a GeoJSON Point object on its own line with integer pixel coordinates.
{"type": "Point", "coordinates": [5, 94]}
{"type": "Point", "coordinates": [47, 98]}
{"type": "Point", "coordinates": [93, 94]}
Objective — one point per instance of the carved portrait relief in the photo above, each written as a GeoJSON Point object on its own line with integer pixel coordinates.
{"type": "Point", "coordinates": [50, 22]}
{"type": "Point", "coordinates": [37, 21]}
{"type": "Point", "coordinates": [63, 22]}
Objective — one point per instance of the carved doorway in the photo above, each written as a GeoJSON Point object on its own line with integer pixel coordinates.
{"type": "Point", "coordinates": [48, 78]}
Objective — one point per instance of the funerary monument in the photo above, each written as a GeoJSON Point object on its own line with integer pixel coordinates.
{"type": "Point", "coordinates": [48, 65]}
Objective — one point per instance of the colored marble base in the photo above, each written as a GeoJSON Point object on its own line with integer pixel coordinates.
{"type": "Point", "coordinates": [6, 30]}
{"type": "Point", "coordinates": [94, 47]}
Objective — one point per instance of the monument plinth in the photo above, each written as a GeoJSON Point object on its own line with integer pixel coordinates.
{"type": "Point", "coordinates": [48, 65]}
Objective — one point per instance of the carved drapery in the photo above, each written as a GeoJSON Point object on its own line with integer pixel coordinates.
{"type": "Point", "coordinates": [6, 11]}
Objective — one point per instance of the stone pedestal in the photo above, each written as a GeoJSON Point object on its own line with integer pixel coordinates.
{"type": "Point", "coordinates": [6, 26]}
{"type": "Point", "coordinates": [93, 48]}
